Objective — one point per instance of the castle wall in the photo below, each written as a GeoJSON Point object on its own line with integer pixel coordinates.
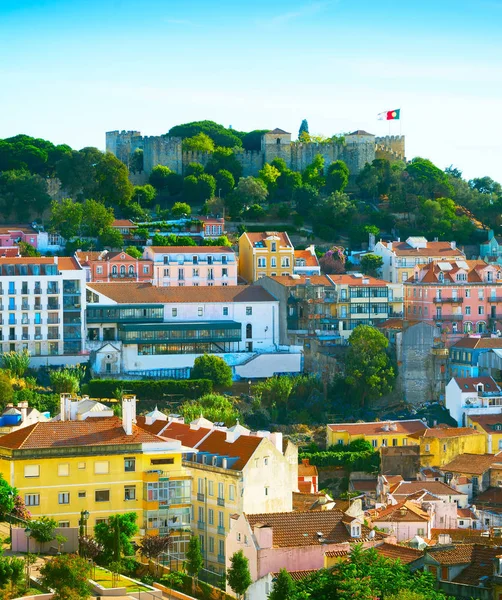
{"type": "Point", "coordinates": [251, 160]}
{"type": "Point", "coordinates": [162, 150]}
{"type": "Point", "coordinates": [123, 143]}
{"type": "Point", "coordinates": [393, 145]}
{"type": "Point", "coordinates": [197, 157]}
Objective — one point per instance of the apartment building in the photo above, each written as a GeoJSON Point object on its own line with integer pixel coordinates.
{"type": "Point", "coordinates": [461, 296]}
{"type": "Point", "coordinates": [192, 265]}
{"type": "Point", "coordinates": [401, 258]}
{"type": "Point", "coordinates": [265, 253]}
{"type": "Point", "coordinates": [467, 396]}
{"type": "Point", "coordinates": [440, 445]}
{"type": "Point", "coordinates": [105, 267]}
{"type": "Point", "coordinates": [379, 433]}
{"type": "Point", "coordinates": [234, 471]}
{"type": "Point", "coordinates": [306, 262]}
{"type": "Point", "coordinates": [132, 328]}
{"type": "Point", "coordinates": [465, 354]}
{"type": "Point", "coordinates": [105, 465]}
{"type": "Point", "coordinates": [42, 305]}
{"type": "Point", "coordinates": [11, 235]}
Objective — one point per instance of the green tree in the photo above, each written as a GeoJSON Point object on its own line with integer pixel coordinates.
{"type": "Point", "coordinates": [26, 249]}
{"type": "Point", "coordinates": [112, 181]}
{"type": "Point", "coordinates": [215, 407]}
{"type": "Point", "coordinates": [96, 218]}
{"type": "Point", "coordinates": [67, 574]}
{"type": "Point", "coordinates": [172, 240]}
{"type": "Point", "coordinates": [16, 362]}
{"type": "Point", "coordinates": [195, 169]}
{"type": "Point", "coordinates": [6, 389]}
{"type": "Point", "coordinates": [307, 199]}
{"type": "Point", "coordinates": [111, 238]}
{"type": "Point", "coordinates": [64, 381]}
{"type": "Point", "coordinates": [275, 391]}
{"type": "Point", "coordinates": [198, 143]}
{"type": "Point", "coordinates": [7, 496]}
{"type": "Point", "coordinates": [134, 252]}
{"type": "Point", "coordinates": [105, 534]}
{"type": "Point", "coordinates": [255, 212]}
{"type": "Point", "coordinates": [225, 182]}
{"type": "Point", "coordinates": [283, 587]}
{"type": "Point", "coordinates": [251, 190]}
{"type": "Point", "coordinates": [269, 175]}
{"type": "Point", "coordinates": [194, 559]}
{"type": "Point", "coordinates": [11, 572]}
{"type": "Point", "coordinates": [220, 135]}
{"type": "Point", "coordinates": [43, 530]}
{"type": "Point", "coordinates": [238, 575]}
{"type": "Point", "coordinates": [144, 195]}
{"type": "Point", "coordinates": [314, 173]}
{"type": "Point", "coordinates": [66, 217]}
{"type": "Point", "coordinates": [304, 128]}
{"type": "Point", "coordinates": [371, 264]}
{"type": "Point", "coordinates": [367, 366]}
{"type": "Point", "coordinates": [206, 187]}
{"type": "Point", "coordinates": [337, 177]}
{"type": "Point", "coordinates": [159, 177]}
{"type": "Point", "coordinates": [209, 366]}
{"type": "Point", "coordinates": [191, 189]}
{"type": "Point", "coordinates": [136, 161]}
{"type": "Point", "coordinates": [224, 158]}
{"type": "Point", "coordinates": [181, 209]}
{"type": "Point", "coordinates": [23, 195]}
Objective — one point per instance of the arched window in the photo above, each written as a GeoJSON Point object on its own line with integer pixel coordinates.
{"type": "Point", "coordinates": [114, 270]}
{"type": "Point", "coordinates": [481, 327]}
{"type": "Point", "coordinates": [467, 327]}
{"type": "Point", "coordinates": [249, 331]}
{"type": "Point", "coordinates": [122, 269]}
{"type": "Point", "coordinates": [441, 278]}
{"type": "Point", "coordinates": [131, 270]}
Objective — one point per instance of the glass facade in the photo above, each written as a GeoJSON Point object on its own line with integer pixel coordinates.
{"type": "Point", "coordinates": [184, 348]}
{"type": "Point", "coordinates": [152, 313]}
{"type": "Point", "coordinates": [168, 492]}
{"type": "Point", "coordinates": [168, 520]}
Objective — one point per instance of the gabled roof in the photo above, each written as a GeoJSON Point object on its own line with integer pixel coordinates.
{"type": "Point", "coordinates": [310, 501]}
{"type": "Point", "coordinates": [309, 258]}
{"type": "Point", "coordinates": [307, 470]}
{"type": "Point", "coordinates": [465, 513]}
{"type": "Point", "coordinates": [294, 529]}
{"type": "Point", "coordinates": [180, 431]}
{"type": "Point", "coordinates": [471, 464]}
{"type": "Point", "coordinates": [401, 512]}
{"type": "Point", "coordinates": [123, 223]}
{"type": "Point", "coordinates": [299, 575]}
{"type": "Point", "coordinates": [446, 432]}
{"type": "Point", "coordinates": [380, 427]}
{"type": "Point", "coordinates": [487, 422]}
{"type": "Point", "coordinates": [437, 488]}
{"type": "Point", "coordinates": [279, 131]}
{"type": "Point", "coordinates": [430, 273]}
{"type": "Point", "coordinates": [469, 384]}
{"type": "Point", "coordinates": [405, 554]}
{"type": "Point", "coordinates": [478, 342]}
{"type": "Point", "coordinates": [294, 280]}
{"type": "Point", "coordinates": [478, 558]}
{"type": "Point", "coordinates": [243, 447]}
{"type": "Point", "coordinates": [360, 132]}
{"type": "Point", "coordinates": [433, 249]}
{"type": "Point", "coordinates": [255, 237]}
{"type": "Point", "coordinates": [146, 293]}
{"type": "Point", "coordinates": [95, 431]}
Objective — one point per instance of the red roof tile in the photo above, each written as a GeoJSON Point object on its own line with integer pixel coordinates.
{"type": "Point", "coordinates": [472, 464]}
{"type": "Point", "coordinates": [293, 280]}
{"type": "Point", "coordinates": [478, 342]}
{"type": "Point", "coordinates": [433, 250]}
{"type": "Point", "coordinates": [191, 250]}
{"type": "Point", "coordinates": [486, 422]}
{"type": "Point", "coordinates": [380, 427]}
{"type": "Point", "coordinates": [260, 236]}
{"type": "Point", "coordinates": [437, 488]}
{"type": "Point", "coordinates": [401, 512]}
{"type": "Point", "coordinates": [309, 258]}
{"type": "Point", "coordinates": [446, 432]}
{"type": "Point", "coordinates": [243, 447]}
{"type": "Point", "coordinates": [405, 554]}
{"type": "Point", "coordinates": [187, 436]}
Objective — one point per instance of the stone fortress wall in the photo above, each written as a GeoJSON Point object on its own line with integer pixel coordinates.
{"type": "Point", "coordinates": [358, 149]}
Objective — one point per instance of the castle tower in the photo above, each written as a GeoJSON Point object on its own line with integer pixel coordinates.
{"type": "Point", "coordinates": [276, 144]}
{"type": "Point", "coordinates": [391, 147]}
{"type": "Point", "coordinates": [359, 150]}
{"type": "Point", "coordinates": [123, 143]}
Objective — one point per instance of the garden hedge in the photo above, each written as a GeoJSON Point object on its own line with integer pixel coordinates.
{"type": "Point", "coordinates": [158, 390]}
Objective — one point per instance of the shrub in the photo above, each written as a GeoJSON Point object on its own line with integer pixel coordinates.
{"type": "Point", "coordinates": [151, 390]}
{"type": "Point", "coordinates": [213, 368]}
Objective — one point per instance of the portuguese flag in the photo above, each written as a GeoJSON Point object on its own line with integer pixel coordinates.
{"type": "Point", "coordinates": [390, 115]}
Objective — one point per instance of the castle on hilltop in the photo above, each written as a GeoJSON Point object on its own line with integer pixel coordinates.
{"type": "Point", "coordinates": [358, 148]}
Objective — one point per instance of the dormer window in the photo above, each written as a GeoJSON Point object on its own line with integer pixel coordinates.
{"type": "Point", "coordinates": [480, 387]}
{"type": "Point", "coordinates": [273, 247]}
{"type": "Point", "coordinates": [355, 530]}
{"type": "Point", "coordinates": [441, 278]}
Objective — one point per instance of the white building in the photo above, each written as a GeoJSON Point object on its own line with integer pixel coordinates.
{"type": "Point", "coordinates": [43, 307]}
{"type": "Point", "coordinates": [141, 329]}
{"type": "Point", "coordinates": [192, 265]}
{"type": "Point", "coordinates": [306, 262]}
{"type": "Point", "coordinates": [472, 396]}
{"type": "Point", "coordinates": [400, 258]}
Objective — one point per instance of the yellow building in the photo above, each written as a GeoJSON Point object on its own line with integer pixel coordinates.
{"type": "Point", "coordinates": [491, 427]}
{"type": "Point", "coordinates": [379, 433]}
{"type": "Point", "coordinates": [101, 464]}
{"type": "Point", "coordinates": [265, 253]}
{"type": "Point", "coordinates": [441, 445]}
{"type": "Point", "coordinates": [233, 471]}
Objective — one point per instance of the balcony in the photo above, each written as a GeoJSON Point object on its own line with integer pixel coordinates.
{"type": "Point", "coordinates": [53, 306]}
{"type": "Point", "coordinates": [52, 320]}
{"type": "Point", "coordinates": [53, 336]}
{"type": "Point", "coordinates": [494, 299]}
{"type": "Point", "coordinates": [200, 497]}
{"type": "Point", "coordinates": [37, 290]}
{"type": "Point", "coordinates": [12, 337]}
{"type": "Point", "coordinates": [443, 352]}
{"type": "Point", "coordinates": [448, 317]}
{"type": "Point", "coordinates": [448, 300]}
{"type": "Point", "coordinates": [25, 337]}
{"type": "Point", "coordinates": [396, 299]}
{"type": "Point", "coordinates": [221, 530]}
{"type": "Point", "coordinates": [25, 322]}
{"type": "Point", "coordinates": [201, 525]}
{"type": "Point", "coordinates": [123, 275]}
{"type": "Point", "coordinates": [221, 501]}
{"type": "Point", "coordinates": [496, 317]}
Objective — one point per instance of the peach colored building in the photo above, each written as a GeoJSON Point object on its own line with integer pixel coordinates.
{"type": "Point", "coordinates": [106, 267]}
{"type": "Point", "coordinates": [460, 296]}
{"type": "Point", "coordinates": [192, 265]}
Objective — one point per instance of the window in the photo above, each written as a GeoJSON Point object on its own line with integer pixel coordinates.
{"type": "Point", "coordinates": [374, 443]}
{"type": "Point", "coordinates": [467, 293]}
{"type": "Point", "coordinates": [64, 497]}
{"type": "Point", "coordinates": [102, 495]}
{"type": "Point", "coordinates": [195, 272]}
{"type": "Point", "coordinates": [210, 488]}
{"type": "Point", "coordinates": [129, 492]}
{"type": "Point", "coordinates": [181, 274]}
{"type": "Point", "coordinates": [32, 499]}
{"type": "Point", "coordinates": [395, 442]}
{"type": "Point", "coordinates": [481, 310]}
{"type": "Point", "coordinates": [101, 467]}
{"type": "Point", "coordinates": [225, 311]}
{"type": "Point", "coordinates": [82, 494]}
{"type": "Point", "coordinates": [32, 471]}
{"type": "Point", "coordinates": [166, 272]}
{"type": "Point", "coordinates": [64, 470]}
{"type": "Point", "coordinates": [211, 545]}
{"type": "Point", "coordinates": [64, 524]}
{"type": "Point", "coordinates": [174, 312]}
{"type": "Point", "coordinates": [221, 519]}
{"type": "Point", "coordinates": [200, 486]}
{"type": "Point", "coordinates": [81, 465]}
{"type": "Point", "coordinates": [273, 245]}
{"type": "Point", "coordinates": [210, 516]}
{"type": "Point", "coordinates": [221, 547]}
{"type": "Point", "coordinates": [146, 269]}
{"type": "Point", "coordinates": [285, 261]}
{"type": "Point", "coordinates": [266, 490]}
{"type": "Point", "coordinates": [98, 521]}
{"type": "Point", "coordinates": [273, 262]}
{"type": "Point", "coordinates": [231, 492]}
{"type": "Point", "coordinates": [467, 310]}
{"type": "Point", "coordinates": [99, 270]}
{"type": "Point", "coordinates": [421, 531]}
{"type": "Point", "coordinates": [224, 272]}
{"type": "Point", "coordinates": [200, 311]}
{"type": "Point", "coordinates": [427, 447]}
{"type": "Point", "coordinates": [221, 490]}
{"type": "Point", "coordinates": [262, 262]}
{"type": "Point", "coordinates": [265, 461]}
{"type": "Point", "coordinates": [249, 310]}
{"type": "Point", "coordinates": [249, 331]}
{"type": "Point", "coordinates": [129, 465]}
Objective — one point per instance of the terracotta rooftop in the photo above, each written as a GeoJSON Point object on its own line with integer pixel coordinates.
{"type": "Point", "coordinates": [155, 428]}
{"type": "Point", "coordinates": [192, 250]}
{"type": "Point", "coordinates": [64, 263]}
{"type": "Point", "coordinates": [465, 513]}
{"type": "Point", "coordinates": [472, 464]}
{"type": "Point", "coordinates": [123, 223]}
{"type": "Point", "coordinates": [298, 575]}
{"type": "Point", "coordinates": [9, 251]}
{"type": "Point", "coordinates": [5, 229]}
{"type": "Point", "coordinates": [244, 447]}
{"type": "Point", "coordinates": [446, 432]}
{"type": "Point", "coordinates": [337, 553]}
{"type": "Point", "coordinates": [293, 529]}
{"type": "Point", "coordinates": [96, 431]}
{"type": "Point", "coordinates": [260, 236]}
{"type": "Point", "coordinates": [309, 501]}
{"type": "Point", "coordinates": [364, 485]}
{"type": "Point", "coordinates": [492, 495]}
{"type": "Point", "coordinates": [478, 342]}
{"type": "Point", "coordinates": [394, 323]}
{"type": "Point", "coordinates": [290, 281]}
{"type": "Point", "coordinates": [380, 427]}
{"type": "Point", "coordinates": [469, 384]}
{"type": "Point", "coordinates": [361, 281]}
{"type": "Point", "coordinates": [305, 469]}
{"type": "Point", "coordinates": [401, 512]}
{"type": "Point", "coordinates": [145, 293]}
{"type": "Point", "coordinates": [463, 536]}
{"type": "Point", "coordinates": [405, 554]}
{"type": "Point", "coordinates": [433, 250]}
{"type": "Point", "coordinates": [478, 558]}
{"type": "Point", "coordinates": [437, 488]}
{"type": "Point", "coordinates": [487, 422]}
{"type": "Point", "coordinates": [179, 431]}
{"type": "Point", "coordinates": [458, 555]}
{"type": "Point", "coordinates": [309, 258]}
{"type": "Point", "coordinates": [304, 487]}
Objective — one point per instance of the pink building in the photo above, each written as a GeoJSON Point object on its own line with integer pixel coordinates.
{"type": "Point", "coordinates": [293, 541]}
{"type": "Point", "coordinates": [404, 520]}
{"type": "Point", "coordinates": [461, 296]}
{"type": "Point", "coordinates": [192, 265]}
{"type": "Point", "coordinates": [106, 267]}
{"type": "Point", "coordinates": [212, 227]}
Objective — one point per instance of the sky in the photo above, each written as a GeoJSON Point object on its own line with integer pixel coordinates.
{"type": "Point", "coordinates": [70, 70]}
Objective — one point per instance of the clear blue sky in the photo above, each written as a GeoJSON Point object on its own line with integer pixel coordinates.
{"type": "Point", "coordinates": [72, 69]}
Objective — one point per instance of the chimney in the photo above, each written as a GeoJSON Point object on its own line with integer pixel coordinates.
{"type": "Point", "coordinates": [23, 407]}
{"type": "Point", "coordinates": [306, 462]}
{"type": "Point", "coordinates": [56, 259]}
{"type": "Point", "coordinates": [371, 242]}
{"type": "Point", "coordinates": [276, 439]}
{"type": "Point", "coordinates": [65, 407]}
{"type": "Point", "coordinates": [264, 535]}
{"type": "Point", "coordinates": [128, 413]}
{"type": "Point", "coordinates": [453, 245]}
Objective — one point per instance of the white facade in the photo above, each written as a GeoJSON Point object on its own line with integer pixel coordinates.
{"type": "Point", "coordinates": [472, 401]}
{"type": "Point", "coordinates": [43, 304]}
{"type": "Point", "coordinates": [192, 265]}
